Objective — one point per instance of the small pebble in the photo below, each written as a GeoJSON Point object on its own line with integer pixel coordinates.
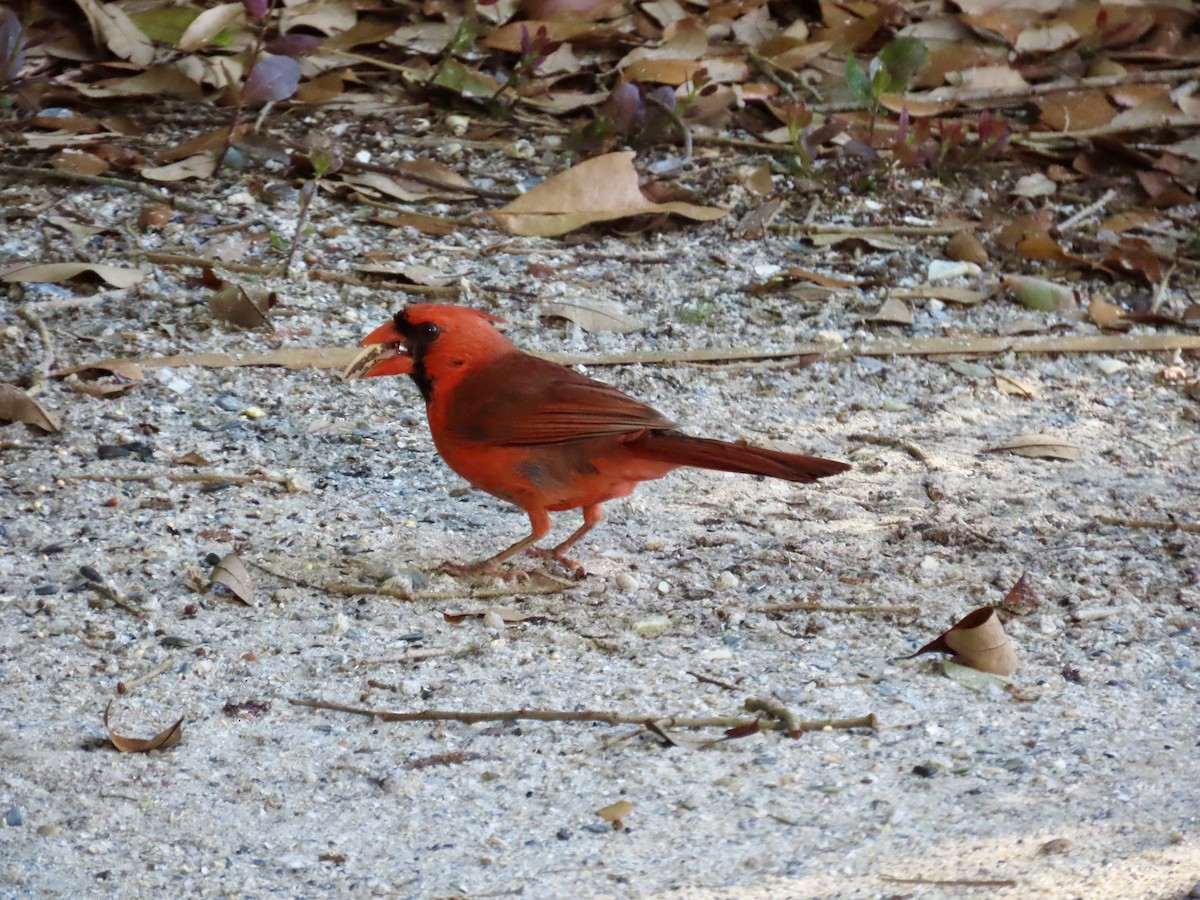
{"type": "Point", "coordinates": [663, 587]}
{"type": "Point", "coordinates": [926, 770]}
{"type": "Point", "coordinates": [253, 412]}
{"type": "Point", "coordinates": [228, 402]}
{"type": "Point", "coordinates": [727, 581]}
{"type": "Point", "coordinates": [626, 582]}
{"type": "Point", "coordinates": [1058, 845]}
{"type": "Point", "coordinates": [493, 620]}
{"type": "Point", "coordinates": [14, 817]}
{"type": "Point", "coordinates": [520, 149]}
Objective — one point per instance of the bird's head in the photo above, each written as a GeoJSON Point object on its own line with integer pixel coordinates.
{"type": "Point", "coordinates": [429, 341]}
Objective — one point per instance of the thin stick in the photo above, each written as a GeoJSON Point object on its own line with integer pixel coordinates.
{"type": "Point", "coordinates": [339, 358]}
{"type": "Point", "coordinates": [181, 259]}
{"type": "Point", "coordinates": [584, 715]}
{"type": "Point", "coordinates": [820, 607]}
{"type": "Point", "coordinates": [1087, 211]}
{"type": "Point", "coordinates": [884, 440]}
{"type": "Point", "coordinates": [538, 583]}
{"type": "Point", "coordinates": [42, 372]}
{"type": "Point", "coordinates": [429, 181]}
{"type": "Point", "coordinates": [124, 687]}
{"type": "Point", "coordinates": [954, 882]}
{"type": "Point", "coordinates": [100, 181]}
{"type": "Point", "coordinates": [191, 478]}
{"type": "Point", "coordinates": [1150, 524]}
{"type": "Point", "coordinates": [1160, 292]}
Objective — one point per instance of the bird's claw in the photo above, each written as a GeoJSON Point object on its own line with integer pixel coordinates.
{"type": "Point", "coordinates": [573, 567]}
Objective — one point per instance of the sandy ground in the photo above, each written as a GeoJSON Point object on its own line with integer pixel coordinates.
{"type": "Point", "coordinates": [1083, 780]}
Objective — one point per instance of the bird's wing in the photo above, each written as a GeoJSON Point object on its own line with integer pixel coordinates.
{"type": "Point", "coordinates": [520, 400]}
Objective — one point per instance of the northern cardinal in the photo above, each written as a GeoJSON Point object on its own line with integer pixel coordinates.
{"type": "Point", "coordinates": [538, 434]}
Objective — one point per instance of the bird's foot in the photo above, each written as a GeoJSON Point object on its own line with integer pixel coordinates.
{"type": "Point", "coordinates": [573, 567]}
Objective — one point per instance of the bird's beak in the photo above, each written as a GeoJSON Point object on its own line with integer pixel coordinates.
{"type": "Point", "coordinates": [383, 353]}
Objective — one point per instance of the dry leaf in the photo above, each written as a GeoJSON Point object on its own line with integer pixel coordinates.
{"type": "Point", "coordinates": [1015, 387]}
{"type": "Point", "coordinates": [892, 312]}
{"type": "Point", "coordinates": [118, 32]}
{"type": "Point", "coordinates": [164, 740]}
{"type": "Point", "coordinates": [200, 166]}
{"type": "Point", "coordinates": [118, 376]}
{"type": "Point", "coordinates": [231, 572]}
{"type": "Point", "coordinates": [963, 296]}
{"type": "Point", "coordinates": [1107, 315]}
{"type": "Point", "coordinates": [965, 247]}
{"type": "Point", "coordinates": [594, 318]}
{"type": "Point", "coordinates": [17, 406]}
{"type": "Point", "coordinates": [241, 306]}
{"type": "Point", "coordinates": [51, 273]}
{"type": "Point", "coordinates": [977, 640]}
{"type": "Point", "coordinates": [1039, 446]}
{"type": "Point", "coordinates": [1022, 599]}
{"type": "Point", "coordinates": [597, 190]}
{"type": "Point", "coordinates": [502, 614]}
{"type": "Point", "coordinates": [191, 458]}
{"type": "Point", "coordinates": [616, 813]}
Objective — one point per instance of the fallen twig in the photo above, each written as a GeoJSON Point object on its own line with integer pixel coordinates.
{"type": "Point", "coordinates": [952, 882]}
{"type": "Point", "coordinates": [1087, 211]}
{"type": "Point", "coordinates": [124, 687]}
{"type": "Point", "coordinates": [884, 440]}
{"type": "Point", "coordinates": [204, 262]}
{"type": "Point", "coordinates": [192, 478]}
{"type": "Point", "coordinates": [101, 181]}
{"type": "Point", "coordinates": [42, 372]}
{"type": "Point", "coordinates": [980, 345]}
{"type": "Point", "coordinates": [852, 609]}
{"type": "Point", "coordinates": [537, 583]}
{"type": "Point", "coordinates": [592, 715]}
{"type": "Point", "coordinates": [1150, 524]}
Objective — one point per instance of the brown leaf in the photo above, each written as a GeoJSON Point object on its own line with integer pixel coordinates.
{"type": "Point", "coordinates": [977, 640]}
{"type": "Point", "coordinates": [892, 312]}
{"type": "Point", "coordinates": [164, 740]}
{"type": "Point", "coordinates": [191, 458]}
{"type": "Point", "coordinates": [1016, 387]}
{"type": "Point", "coordinates": [964, 296]}
{"type": "Point", "coordinates": [1038, 446]}
{"type": "Point", "coordinates": [965, 247]}
{"type": "Point", "coordinates": [17, 406]}
{"type": "Point", "coordinates": [594, 318]}
{"type": "Point", "coordinates": [231, 572]}
{"type": "Point", "coordinates": [103, 379]}
{"type": "Point", "coordinates": [616, 813]}
{"type": "Point", "coordinates": [241, 306]}
{"type": "Point", "coordinates": [597, 190]}
{"type": "Point", "coordinates": [1134, 256]}
{"type": "Point", "coordinates": [118, 32]}
{"type": "Point", "coordinates": [1107, 315]}
{"type": "Point", "coordinates": [51, 273]}
{"type": "Point", "coordinates": [1022, 599]}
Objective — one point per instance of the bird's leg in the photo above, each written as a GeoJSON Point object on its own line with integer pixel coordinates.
{"type": "Point", "coordinates": [591, 518]}
{"type": "Point", "coordinates": [539, 520]}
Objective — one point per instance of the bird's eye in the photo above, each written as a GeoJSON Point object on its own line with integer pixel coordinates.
{"type": "Point", "coordinates": [430, 330]}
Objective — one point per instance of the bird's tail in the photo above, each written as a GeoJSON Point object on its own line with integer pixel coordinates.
{"type": "Point", "coordinates": [703, 453]}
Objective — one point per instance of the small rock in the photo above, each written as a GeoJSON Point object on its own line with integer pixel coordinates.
{"type": "Point", "coordinates": [926, 770]}
{"type": "Point", "coordinates": [626, 582]}
{"type": "Point", "coordinates": [520, 149]}
{"type": "Point", "coordinates": [254, 412]}
{"type": "Point", "coordinates": [727, 581]}
{"type": "Point", "coordinates": [14, 817]}
{"type": "Point", "coordinates": [228, 402]}
{"type": "Point", "coordinates": [663, 587]}
{"type": "Point", "coordinates": [1108, 365]}
{"type": "Point", "coordinates": [493, 620]}
{"type": "Point", "coordinates": [1056, 846]}
{"type": "Point", "coordinates": [652, 625]}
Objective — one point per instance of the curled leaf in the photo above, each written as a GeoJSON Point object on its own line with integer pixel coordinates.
{"type": "Point", "coordinates": [1038, 446]}
{"type": "Point", "coordinates": [594, 318]}
{"type": "Point", "coordinates": [231, 572]}
{"type": "Point", "coordinates": [164, 740]}
{"type": "Point", "coordinates": [977, 640]}
{"type": "Point", "coordinates": [51, 273]}
{"type": "Point", "coordinates": [17, 406]}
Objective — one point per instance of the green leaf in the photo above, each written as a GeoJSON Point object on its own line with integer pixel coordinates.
{"type": "Point", "coordinates": [904, 59]}
{"type": "Point", "coordinates": [165, 24]}
{"type": "Point", "coordinates": [857, 81]}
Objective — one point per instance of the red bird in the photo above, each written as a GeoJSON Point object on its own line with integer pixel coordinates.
{"type": "Point", "coordinates": [540, 435]}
